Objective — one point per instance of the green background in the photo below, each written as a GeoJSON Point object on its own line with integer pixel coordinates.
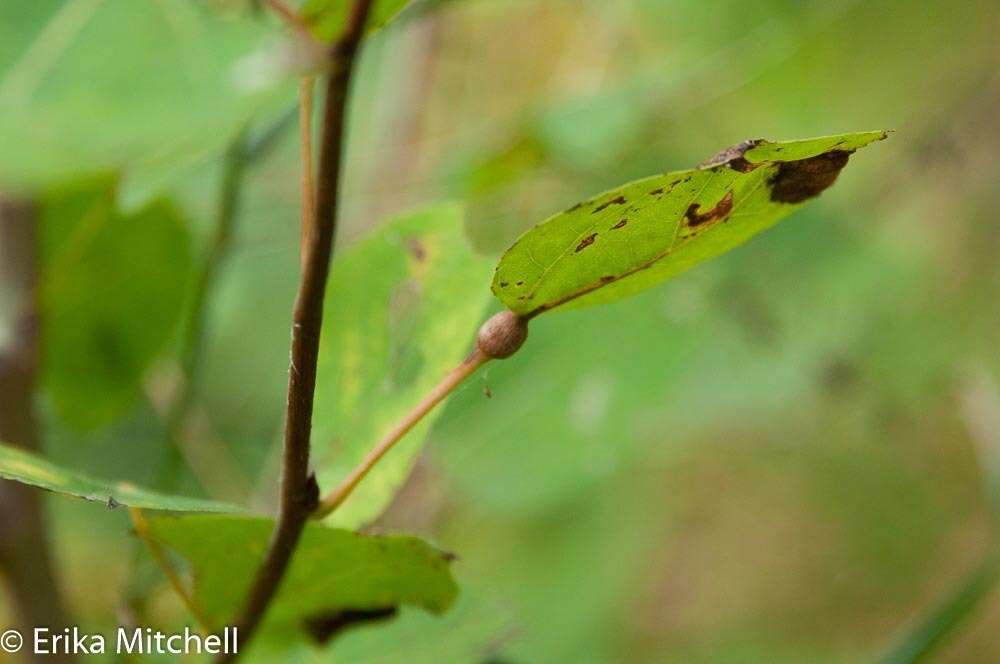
{"type": "Point", "coordinates": [780, 456]}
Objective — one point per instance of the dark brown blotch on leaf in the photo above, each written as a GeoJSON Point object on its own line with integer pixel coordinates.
{"type": "Point", "coordinates": [502, 335]}
{"type": "Point", "coordinates": [798, 181]}
{"type": "Point", "coordinates": [416, 248]}
{"type": "Point", "coordinates": [719, 211]}
{"type": "Point", "coordinates": [620, 224]}
{"type": "Point", "coordinates": [585, 242]}
{"type": "Point", "coordinates": [323, 627]}
{"type": "Point", "coordinates": [733, 157]}
{"type": "Point", "coordinates": [619, 200]}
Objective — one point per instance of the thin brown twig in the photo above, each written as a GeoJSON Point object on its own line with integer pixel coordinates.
{"type": "Point", "coordinates": [289, 16]}
{"type": "Point", "coordinates": [306, 86]}
{"type": "Point", "coordinates": [142, 530]}
{"type": "Point", "coordinates": [433, 398]}
{"type": "Point", "coordinates": [299, 492]}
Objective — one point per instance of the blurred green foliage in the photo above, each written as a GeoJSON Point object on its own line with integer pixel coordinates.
{"type": "Point", "coordinates": [113, 286]}
{"type": "Point", "coordinates": [778, 457]}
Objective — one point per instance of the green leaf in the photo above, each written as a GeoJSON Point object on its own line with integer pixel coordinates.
{"type": "Point", "coordinates": [637, 236]}
{"type": "Point", "coordinates": [113, 287]}
{"type": "Point", "coordinates": [333, 570]}
{"type": "Point", "coordinates": [401, 311]}
{"type": "Point", "coordinates": [26, 468]}
{"type": "Point", "coordinates": [326, 17]}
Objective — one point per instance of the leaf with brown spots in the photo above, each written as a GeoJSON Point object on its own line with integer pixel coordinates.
{"type": "Point", "coordinates": [675, 221]}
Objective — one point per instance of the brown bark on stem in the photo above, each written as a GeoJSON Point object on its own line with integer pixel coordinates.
{"type": "Point", "coordinates": [25, 558]}
{"type": "Point", "coordinates": [299, 493]}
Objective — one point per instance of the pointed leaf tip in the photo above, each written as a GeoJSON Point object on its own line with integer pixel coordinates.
{"type": "Point", "coordinates": [643, 233]}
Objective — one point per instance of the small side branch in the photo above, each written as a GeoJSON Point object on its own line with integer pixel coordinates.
{"type": "Point", "coordinates": [306, 86]}
{"type": "Point", "coordinates": [500, 337]}
{"type": "Point", "coordinates": [443, 389]}
{"type": "Point", "coordinates": [289, 16]}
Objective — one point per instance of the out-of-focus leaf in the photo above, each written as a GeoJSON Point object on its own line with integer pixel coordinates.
{"type": "Point", "coordinates": [401, 310]}
{"type": "Point", "coordinates": [326, 17]}
{"type": "Point", "coordinates": [113, 286]}
{"type": "Point", "coordinates": [89, 85]}
{"type": "Point", "coordinates": [333, 570]}
{"type": "Point", "coordinates": [631, 238]}
{"type": "Point", "coordinates": [27, 468]}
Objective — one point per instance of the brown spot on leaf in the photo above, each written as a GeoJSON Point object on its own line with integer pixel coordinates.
{"type": "Point", "coordinates": [619, 200]}
{"type": "Point", "coordinates": [797, 181]}
{"type": "Point", "coordinates": [520, 283]}
{"type": "Point", "coordinates": [657, 192]}
{"type": "Point", "coordinates": [504, 284]}
{"type": "Point", "coordinates": [608, 278]}
{"type": "Point", "coordinates": [733, 157]}
{"type": "Point", "coordinates": [325, 626]}
{"type": "Point", "coordinates": [416, 248]}
{"type": "Point", "coordinates": [720, 211]}
{"type": "Point", "coordinates": [585, 242]}
{"type": "Point", "coordinates": [620, 224]}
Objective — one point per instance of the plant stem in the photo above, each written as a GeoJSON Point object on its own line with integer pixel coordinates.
{"type": "Point", "coordinates": [500, 336]}
{"type": "Point", "coordinates": [433, 398]}
{"type": "Point", "coordinates": [288, 15]}
{"type": "Point", "coordinates": [25, 554]}
{"type": "Point", "coordinates": [299, 492]}
{"type": "Point", "coordinates": [308, 222]}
